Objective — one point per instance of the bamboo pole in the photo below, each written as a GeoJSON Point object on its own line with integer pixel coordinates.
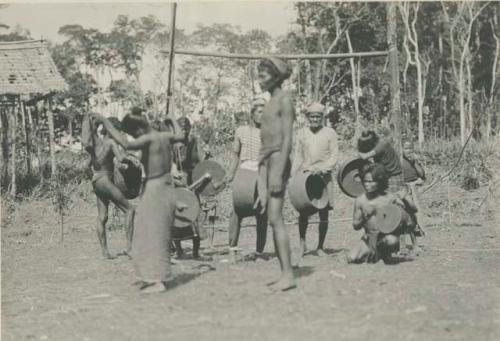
{"type": "Point", "coordinates": [27, 135]}
{"type": "Point", "coordinates": [171, 57]}
{"type": "Point", "coordinates": [282, 56]}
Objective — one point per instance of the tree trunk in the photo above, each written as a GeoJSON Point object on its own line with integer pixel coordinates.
{"type": "Point", "coordinates": [52, 145]}
{"type": "Point", "coordinates": [470, 121]}
{"type": "Point", "coordinates": [317, 81]}
{"type": "Point", "coordinates": [355, 87]}
{"type": "Point", "coordinates": [13, 188]}
{"type": "Point", "coordinates": [394, 69]}
{"type": "Point", "coordinates": [309, 88]}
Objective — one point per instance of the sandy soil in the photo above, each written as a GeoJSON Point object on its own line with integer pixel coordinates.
{"type": "Point", "coordinates": [54, 290]}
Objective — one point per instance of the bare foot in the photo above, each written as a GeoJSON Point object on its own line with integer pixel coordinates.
{"type": "Point", "coordinates": [303, 249]}
{"type": "Point", "coordinates": [321, 253]}
{"type": "Point", "coordinates": [124, 253]}
{"type": "Point", "coordinates": [285, 284]}
{"type": "Point", "coordinates": [108, 255]}
{"type": "Point", "coordinates": [153, 288]}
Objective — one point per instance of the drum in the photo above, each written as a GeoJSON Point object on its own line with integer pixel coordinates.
{"type": "Point", "coordinates": [348, 177]}
{"type": "Point", "coordinates": [216, 172]}
{"type": "Point", "coordinates": [308, 192]}
{"type": "Point", "coordinates": [128, 179]}
{"type": "Point", "coordinates": [245, 192]}
{"type": "Point", "coordinates": [388, 218]}
{"type": "Point", "coordinates": [187, 216]}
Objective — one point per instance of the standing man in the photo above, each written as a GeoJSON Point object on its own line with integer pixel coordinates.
{"type": "Point", "coordinates": [316, 152]}
{"type": "Point", "coordinates": [274, 160]}
{"type": "Point", "coordinates": [186, 158]}
{"type": "Point", "coordinates": [156, 210]}
{"type": "Point", "coordinates": [103, 151]}
{"type": "Point", "coordinates": [246, 149]}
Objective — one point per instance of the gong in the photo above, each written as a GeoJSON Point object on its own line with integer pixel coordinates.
{"type": "Point", "coordinates": [348, 177]}
{"type": "Point", "coordinates": [216, 174]}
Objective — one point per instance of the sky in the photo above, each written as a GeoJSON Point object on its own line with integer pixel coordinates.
{"type": "Point", "coordinates": [43, 18]}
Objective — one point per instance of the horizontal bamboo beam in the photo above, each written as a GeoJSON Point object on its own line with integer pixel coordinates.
{"type": "Point", "coordinates": [282, 56]}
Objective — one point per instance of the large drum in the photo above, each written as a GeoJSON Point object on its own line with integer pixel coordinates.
{"type": "Point", "coordinates": [128, 179]}
{"type": "Point", "coordinates": [349, 179]}
{"type": "Point", "coordinates": [214, 174]}
{"type": "Point", "coordinates": [185, 218]}
{"type": "Point", "coordinates": [245, 192]}
{"type": "Point", "coordinates": [308, 192]}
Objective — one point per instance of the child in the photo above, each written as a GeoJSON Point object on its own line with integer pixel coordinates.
{"type": "Point", "coordinates": [274, 160]}
{"type": "Point", "coordinates": [103, 151]}
{"type": "Point", "coordinates": [316, 151]}
{"type": "Point", "coordinates": [374, 244]}
{"type": "Point", "coordinates": [155, 212]}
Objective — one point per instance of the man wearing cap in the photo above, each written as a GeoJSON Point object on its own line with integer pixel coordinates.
{"type": "Point", "coordinates": [246, 149]}
{"type": "Point", "coordinates": [274, 160]}
{"type": "Point", "coordinates": [316, 151]}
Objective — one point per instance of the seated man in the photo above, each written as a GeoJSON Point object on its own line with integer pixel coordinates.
{"type": "Point", "coordinates": [374, 244]}
{"type": "Point", "coordinates": [316, 151]}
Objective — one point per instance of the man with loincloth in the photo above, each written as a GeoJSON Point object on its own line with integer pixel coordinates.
{"type": "Point", "coordinates": [156, 210]}
{"type": "Point", "coordinates": [316, 151]}
{"type": "Point", "coordinates": [246, 149]}
{"type": "Point", "coordinates": [103, 152]}
{"type": "Point", "coordinates": [274, 160]}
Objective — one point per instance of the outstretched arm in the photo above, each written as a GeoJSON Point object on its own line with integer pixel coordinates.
{"type": "Point", "coordinates": [235, 155]}
{"type": "Point", "coordinates": [138, 143]}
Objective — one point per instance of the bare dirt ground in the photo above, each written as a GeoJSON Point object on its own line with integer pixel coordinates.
{"type": "Point", "coordinates": [66, 291]}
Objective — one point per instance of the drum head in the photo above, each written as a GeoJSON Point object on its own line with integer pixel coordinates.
{"type": "Point", "coordinates": [216, 172]}
{"type": "Point", "coordinates": [348, 177]}
{"type": "Point", "coordinates": [186, 216]}
{"type": "Point", "coordinates": [388, 218]}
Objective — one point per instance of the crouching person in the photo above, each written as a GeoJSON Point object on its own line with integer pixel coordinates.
{"type": "Point", "coordinates": [375, 245]}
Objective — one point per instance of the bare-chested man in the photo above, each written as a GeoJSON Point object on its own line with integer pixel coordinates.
{"type": "Point", "coordinates": [274, 160]}
{"type": "Point", "coordinates": [103, 151]}
{"type": "Point", "coordinates": [155, 212]}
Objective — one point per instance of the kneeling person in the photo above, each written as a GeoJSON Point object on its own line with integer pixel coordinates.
{"type": "Point", "coordinates": [374, 244]}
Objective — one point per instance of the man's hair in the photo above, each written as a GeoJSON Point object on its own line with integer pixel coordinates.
{"type": "Point", "coordinates": [378, 172]}
{"type": "Point", "coordinates": [131, 123]}
{"type": "Point", "coordinates": [367, 141]}
{"type": "Point", "coordinates": [274, 71]}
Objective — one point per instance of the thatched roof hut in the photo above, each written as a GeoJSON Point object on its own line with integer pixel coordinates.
{"type": "Point", "coordinates": [27, 76]}
{"type": "Point", "coordinates": [26, 68]}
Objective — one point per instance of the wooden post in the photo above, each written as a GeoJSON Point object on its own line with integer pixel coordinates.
{"type": "Point", "coordinates": [5, 143]}
{"type": "Point", "coordinates": [27, 135]}
{"type": "Point", "coordinates": [171, 57]}
{"type": "Point", "coordinates": [395, 121]}
{"type": "Point", "coordinates": [13, 188]}
{"type": "Point", "coordinates": [52, 146]}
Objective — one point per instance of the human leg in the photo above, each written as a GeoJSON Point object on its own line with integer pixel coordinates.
{"type": "Point", "coordinates": [323, 229]}
{"type": "Point", "coordinates": [303, 222]}
{"type": "Point", "coordinates": [261, 222]}
{"type": "Point", "coordinates": [102, 219]}
{"type": "Point", "coordinates": [282, 242]}
{"type": "Point", "coordinates": [359, 253]}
